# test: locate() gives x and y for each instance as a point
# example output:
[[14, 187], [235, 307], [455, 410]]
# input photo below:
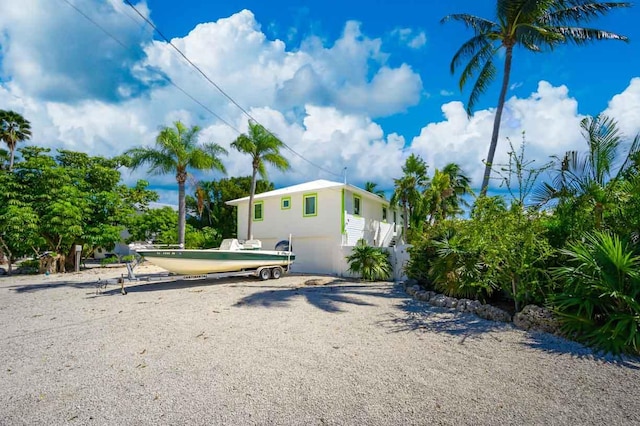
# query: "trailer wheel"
[[276, 273], [264, 274]]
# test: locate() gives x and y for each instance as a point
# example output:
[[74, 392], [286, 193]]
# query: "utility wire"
[[167, 78], [244, 111]]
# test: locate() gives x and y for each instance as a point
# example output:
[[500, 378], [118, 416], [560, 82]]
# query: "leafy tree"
[[372, 187], [14, 128], [408, 192], [72, 198], [176, 151], [599, 302], [263, 148], [444, 196], [371, 263], [534, 25]]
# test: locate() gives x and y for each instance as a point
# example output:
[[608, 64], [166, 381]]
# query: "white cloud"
[[410, 37], [625, 108], [446, 93], [549, 117]]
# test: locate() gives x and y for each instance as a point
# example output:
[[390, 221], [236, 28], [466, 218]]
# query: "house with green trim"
[[325, 220]]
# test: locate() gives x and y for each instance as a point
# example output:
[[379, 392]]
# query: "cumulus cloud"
[[549, 118], [625, 108], [411, 38]]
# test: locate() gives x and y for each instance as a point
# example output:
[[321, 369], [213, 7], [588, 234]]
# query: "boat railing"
[[145, 246]]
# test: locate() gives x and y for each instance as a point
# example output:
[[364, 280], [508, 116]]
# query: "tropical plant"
[[264, 148], [600, 299], [177, 151], [371, 263], [580, 180], [408, 192], [372, 187], [14, 128], [534, 25]]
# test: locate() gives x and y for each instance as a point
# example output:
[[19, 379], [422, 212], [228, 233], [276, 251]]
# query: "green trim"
[[261, 204], [213, 254], [343, 230], [304, 204], [282, 200], [359, 212]]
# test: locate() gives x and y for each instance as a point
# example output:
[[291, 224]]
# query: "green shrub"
[[128, 258], [371, 263], [109, 260], [598, 304]]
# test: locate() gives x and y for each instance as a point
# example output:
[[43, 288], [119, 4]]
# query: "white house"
[[325, 220]]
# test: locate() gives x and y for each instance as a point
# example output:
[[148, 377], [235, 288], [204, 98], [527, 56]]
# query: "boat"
[[231, 256]]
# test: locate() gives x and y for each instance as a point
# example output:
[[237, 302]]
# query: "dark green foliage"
[[215, 213], [599, 302], [54, 202], [371, 263]]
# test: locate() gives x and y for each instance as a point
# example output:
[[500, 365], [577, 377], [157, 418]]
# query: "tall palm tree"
[[372, 187], [14, 128], [263, 148], [177, 150], [408, 190], [536, 25]]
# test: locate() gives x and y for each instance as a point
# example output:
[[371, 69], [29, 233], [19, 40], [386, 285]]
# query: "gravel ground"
[[301, 350]]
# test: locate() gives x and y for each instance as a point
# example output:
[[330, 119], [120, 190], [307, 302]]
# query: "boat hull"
[[199, 262]]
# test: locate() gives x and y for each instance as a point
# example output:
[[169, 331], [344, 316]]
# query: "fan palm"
[[14, 128], [371, 263], [177, 150], [263, 148], [536, 25]]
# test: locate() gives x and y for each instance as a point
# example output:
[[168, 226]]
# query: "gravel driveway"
[[300, 350]]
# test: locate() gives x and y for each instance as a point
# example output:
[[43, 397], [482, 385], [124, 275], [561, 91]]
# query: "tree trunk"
[[251, 195], [182, 213], [11, 159], [405, 224], [496, 121]]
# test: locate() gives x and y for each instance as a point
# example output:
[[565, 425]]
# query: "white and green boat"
[[231, 256]]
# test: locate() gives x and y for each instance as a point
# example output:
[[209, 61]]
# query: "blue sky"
[[352, 84]]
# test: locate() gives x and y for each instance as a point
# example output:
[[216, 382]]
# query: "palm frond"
[[570, 12], [485, 78], [579, 35]]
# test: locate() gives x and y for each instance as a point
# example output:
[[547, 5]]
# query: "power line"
[[244, 111]]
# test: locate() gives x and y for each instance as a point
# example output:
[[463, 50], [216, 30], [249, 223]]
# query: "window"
[[395, 218], [310, 203], [384, 214], [285, 203], [258, 211], [356, 205]]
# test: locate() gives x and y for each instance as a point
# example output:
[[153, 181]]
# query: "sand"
[[299, 350]]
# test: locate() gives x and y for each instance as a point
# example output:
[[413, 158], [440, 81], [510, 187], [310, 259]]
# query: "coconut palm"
[[14, 128], [177, 150], [536, 25], [372, 188], [461, 186], [408, 190], [263, 148]]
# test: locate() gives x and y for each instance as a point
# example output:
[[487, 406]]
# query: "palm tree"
[[583, 177], [408, 190], [461, 186], [372, 188], [176, 151], [536, 25], [264, 148], [14, 128]]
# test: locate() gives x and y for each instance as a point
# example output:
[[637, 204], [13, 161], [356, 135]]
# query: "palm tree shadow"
[[331, 297], [557, 345], [420, 316]]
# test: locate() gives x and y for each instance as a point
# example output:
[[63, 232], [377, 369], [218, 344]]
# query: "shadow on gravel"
[[556, 345], [30, 288], [158, 284], [328, 296], [420, 316]]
